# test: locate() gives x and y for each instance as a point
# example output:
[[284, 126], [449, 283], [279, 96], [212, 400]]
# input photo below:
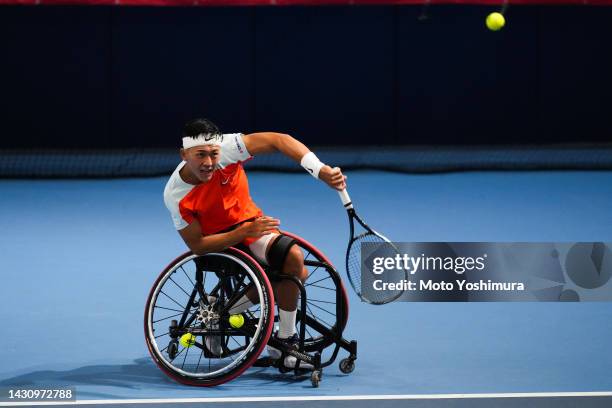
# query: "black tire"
[[347, 365], [226, 275], [315, 378]]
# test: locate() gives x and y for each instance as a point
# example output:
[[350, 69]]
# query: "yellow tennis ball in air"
[[495, 21], [236, 321], [187, 340]]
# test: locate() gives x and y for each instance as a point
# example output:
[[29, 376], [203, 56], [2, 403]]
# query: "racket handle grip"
[[346, 200]]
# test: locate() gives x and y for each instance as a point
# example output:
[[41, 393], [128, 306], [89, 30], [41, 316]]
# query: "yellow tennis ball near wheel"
[[495, 21], [187, 340], [236, 321]]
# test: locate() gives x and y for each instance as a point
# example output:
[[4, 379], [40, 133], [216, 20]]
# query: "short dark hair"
[[195, 127]]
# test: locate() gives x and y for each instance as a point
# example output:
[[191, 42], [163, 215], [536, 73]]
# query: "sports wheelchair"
[[195, 293]]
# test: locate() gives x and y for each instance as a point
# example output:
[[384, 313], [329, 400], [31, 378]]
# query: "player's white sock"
[[241, 305], [287, 323], [285, 330]]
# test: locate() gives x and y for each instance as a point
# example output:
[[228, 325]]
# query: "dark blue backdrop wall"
[[109, 77]]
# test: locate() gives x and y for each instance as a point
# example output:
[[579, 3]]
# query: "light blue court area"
[[78, 258]]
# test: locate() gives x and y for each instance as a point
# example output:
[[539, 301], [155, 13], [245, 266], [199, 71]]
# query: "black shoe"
[[290, 361]]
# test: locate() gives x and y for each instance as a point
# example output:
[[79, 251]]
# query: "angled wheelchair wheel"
[[327, 302], [186, 320]]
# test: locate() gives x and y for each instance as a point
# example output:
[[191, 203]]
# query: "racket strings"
[[363, 283], [354, 258]]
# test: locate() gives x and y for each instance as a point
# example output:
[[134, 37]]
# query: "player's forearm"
[[218, 242], [291, 147], [268, 142], [300, 153]]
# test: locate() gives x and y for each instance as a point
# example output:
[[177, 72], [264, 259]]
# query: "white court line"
[[314, 398]]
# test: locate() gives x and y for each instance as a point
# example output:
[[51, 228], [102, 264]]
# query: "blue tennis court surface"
[[79, 257]]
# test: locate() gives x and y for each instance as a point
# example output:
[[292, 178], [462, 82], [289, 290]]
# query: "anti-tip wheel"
[[347, 365], [315, 378], [172, 349]]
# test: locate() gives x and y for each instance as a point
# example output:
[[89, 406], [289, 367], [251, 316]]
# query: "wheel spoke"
[[169, 317], [181, 267], [161, 335], [179, 353], [180, 287], [320, 301], [161, 291], [321, 287], [312, 272], [252, 312], [185, 357], [318, 318], [240, 346], [199, 359], [167, 308], [320, 280]]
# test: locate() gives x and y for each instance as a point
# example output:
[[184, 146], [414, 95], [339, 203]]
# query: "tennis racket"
[[353, 259]]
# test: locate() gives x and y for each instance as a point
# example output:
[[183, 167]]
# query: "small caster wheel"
[[347, 365], [172, 329], [315, 378], [172, 349]]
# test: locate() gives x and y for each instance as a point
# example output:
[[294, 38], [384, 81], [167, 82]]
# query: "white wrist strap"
[[312, 164]]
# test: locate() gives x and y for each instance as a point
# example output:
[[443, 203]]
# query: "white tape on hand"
[[346, 200]]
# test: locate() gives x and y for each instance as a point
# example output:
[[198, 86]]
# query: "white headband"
[[203, 139]]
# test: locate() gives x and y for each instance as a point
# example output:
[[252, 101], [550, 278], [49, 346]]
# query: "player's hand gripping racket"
[[353, 260]]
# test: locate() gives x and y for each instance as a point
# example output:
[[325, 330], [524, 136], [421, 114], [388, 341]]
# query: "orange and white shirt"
[[222, 202]]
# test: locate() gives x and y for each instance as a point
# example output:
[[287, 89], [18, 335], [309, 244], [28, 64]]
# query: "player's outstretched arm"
[[202, 244], [268, 142]]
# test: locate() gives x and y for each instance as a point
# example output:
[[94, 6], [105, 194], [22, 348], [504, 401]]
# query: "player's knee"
[[294, 263], [303, 274], [295, 258]]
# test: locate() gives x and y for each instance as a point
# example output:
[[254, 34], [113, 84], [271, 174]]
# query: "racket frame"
[[352, 214]]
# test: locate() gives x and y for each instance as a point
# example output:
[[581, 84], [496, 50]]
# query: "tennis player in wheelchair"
[[211, 207]]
